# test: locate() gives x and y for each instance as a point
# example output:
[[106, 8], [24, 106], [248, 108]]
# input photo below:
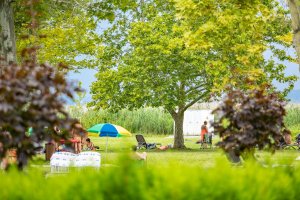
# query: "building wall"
[[193, 120]]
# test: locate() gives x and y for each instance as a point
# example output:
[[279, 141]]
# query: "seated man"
[[89, 145], [287, 137], [298, 139]]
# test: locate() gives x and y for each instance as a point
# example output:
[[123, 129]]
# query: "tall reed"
[[152, 120], [292, 119], [144, 120]]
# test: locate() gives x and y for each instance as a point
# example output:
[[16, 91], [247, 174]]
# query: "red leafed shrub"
[[31, 95], [249, 119]]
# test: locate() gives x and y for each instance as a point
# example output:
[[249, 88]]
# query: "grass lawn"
[[193, 156]]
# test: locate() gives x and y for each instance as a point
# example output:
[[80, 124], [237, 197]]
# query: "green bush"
[[131, 180], [144, 120]]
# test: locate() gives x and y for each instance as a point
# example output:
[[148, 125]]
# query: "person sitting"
[[287, 137], [89, 145], [77, 133], [298, 139]]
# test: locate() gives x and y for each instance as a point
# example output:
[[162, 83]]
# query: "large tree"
[[67, 30], [70, 32], [156, 70], [294, 6], [154, 58], [7, 32]]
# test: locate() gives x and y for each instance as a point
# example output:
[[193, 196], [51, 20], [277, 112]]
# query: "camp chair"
[[284, 145], [206, 142], [142, 143], [289, 146]]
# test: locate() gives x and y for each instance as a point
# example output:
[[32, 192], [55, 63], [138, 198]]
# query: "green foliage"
[[144, 120], [147, 63], [68, 32], [176, 53], [235, 35], [130, 180], [32, 97]]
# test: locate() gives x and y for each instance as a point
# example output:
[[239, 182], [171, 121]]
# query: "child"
[[89, 145]]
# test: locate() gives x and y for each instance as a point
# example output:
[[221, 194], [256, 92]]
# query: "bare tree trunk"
[[178, 136], [294, 6], [7, 32]]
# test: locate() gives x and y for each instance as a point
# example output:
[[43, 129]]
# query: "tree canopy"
[[149, 65], [174, 55], [67, 30], [239, 33], [294, 6]]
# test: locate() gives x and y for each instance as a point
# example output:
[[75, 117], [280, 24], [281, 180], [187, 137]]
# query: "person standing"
[[204, 131], [76, 134]]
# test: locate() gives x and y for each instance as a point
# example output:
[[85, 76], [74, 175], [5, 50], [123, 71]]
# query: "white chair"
[[61, 161], [88, 159]]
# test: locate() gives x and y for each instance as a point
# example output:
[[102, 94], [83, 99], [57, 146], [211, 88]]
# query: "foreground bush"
[[250, 119], [134, 181]]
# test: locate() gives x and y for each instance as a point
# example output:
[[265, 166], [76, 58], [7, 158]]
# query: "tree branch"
[[172, 113], [195, 100], [195, 88]]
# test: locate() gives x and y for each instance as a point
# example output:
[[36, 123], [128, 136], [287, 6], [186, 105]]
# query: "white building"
[[194, 119]]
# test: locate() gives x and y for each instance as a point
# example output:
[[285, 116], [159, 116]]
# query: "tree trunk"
[[7, 32], [178, 136], [294, 6]]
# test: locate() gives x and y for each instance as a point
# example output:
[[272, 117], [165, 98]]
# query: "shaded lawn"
[[193, 156]]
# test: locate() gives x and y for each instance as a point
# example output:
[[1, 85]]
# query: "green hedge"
[[133, 180]]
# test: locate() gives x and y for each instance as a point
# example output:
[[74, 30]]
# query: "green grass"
[[193, 156], [123, 143], [171, 174], [166, 175]]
